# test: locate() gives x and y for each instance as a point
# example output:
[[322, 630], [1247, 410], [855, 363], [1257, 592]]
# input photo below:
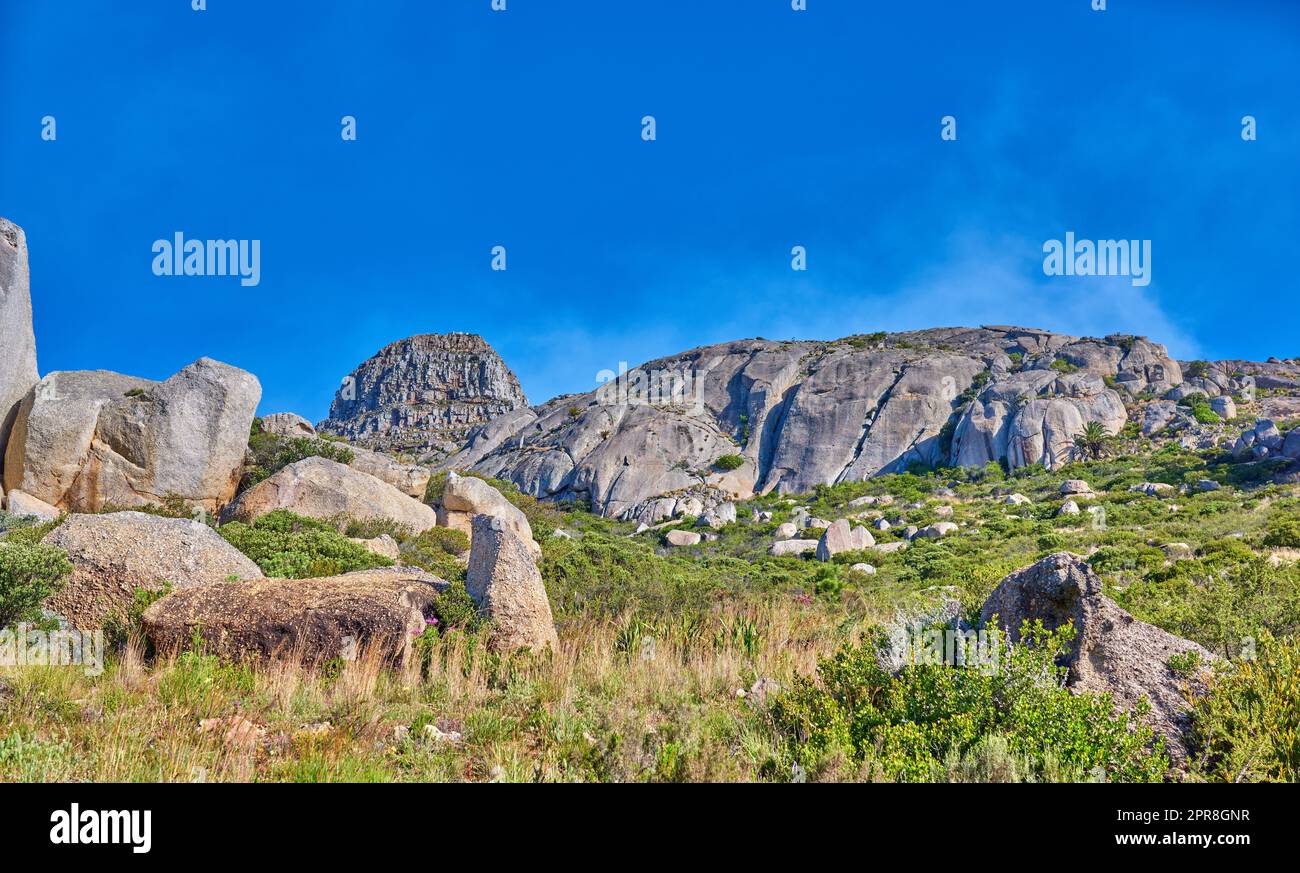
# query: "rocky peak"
[[423, 394]]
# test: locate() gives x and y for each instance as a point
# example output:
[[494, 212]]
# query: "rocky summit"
[[422, 395]]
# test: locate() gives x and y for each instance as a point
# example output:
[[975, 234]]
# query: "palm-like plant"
[[1093, 442]]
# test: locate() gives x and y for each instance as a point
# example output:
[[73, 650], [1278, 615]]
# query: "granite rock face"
[[17, 341], [801, 414], [85, 439], [422, 395]]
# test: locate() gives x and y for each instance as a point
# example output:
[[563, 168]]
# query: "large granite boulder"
[[504, 581], [465, 497], [17, 341], [324, 489], [410, 479], [842, 537], [368, 613], [287, 424], [115, 553], [1112, 652], [83, 440]]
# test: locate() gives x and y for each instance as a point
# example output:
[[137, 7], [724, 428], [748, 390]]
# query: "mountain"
[[423, 394], [728, 421]]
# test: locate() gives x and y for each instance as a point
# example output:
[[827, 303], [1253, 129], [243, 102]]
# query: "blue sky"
[[775, 128]]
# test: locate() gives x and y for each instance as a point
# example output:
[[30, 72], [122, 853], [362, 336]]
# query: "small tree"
[[1094, 441], [28, 575]]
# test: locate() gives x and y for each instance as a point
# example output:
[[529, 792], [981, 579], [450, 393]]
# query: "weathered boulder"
[[841, 537], [17, 341], [1016, 500], [791, 547], [682, 538], [1069, 507], [381, 545], [86, 439], [465, 497], [719, 516], [1264, 440], [1154, 489], [504, 581], [937, 530], [1224, 407], [368, 613], [786, 530], [287, 424], [410, 479], [1158, 415], [19, 503], [865, 569], [115, 553], [1291, 445], [1112, 651], [1076, 487], [324, 489]]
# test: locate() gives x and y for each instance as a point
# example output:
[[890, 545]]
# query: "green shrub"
[[370, 528], [729, 462], [1283, 533], [1244, 729], [291, 546], [456, 609], [903, 727], [29, 573], [271, 453], [436, 550], [120, 628]]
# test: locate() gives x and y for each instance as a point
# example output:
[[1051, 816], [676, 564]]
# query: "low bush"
[[29, 573], [295, 547]]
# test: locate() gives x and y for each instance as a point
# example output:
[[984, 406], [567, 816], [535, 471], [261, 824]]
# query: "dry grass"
[[616, 703]]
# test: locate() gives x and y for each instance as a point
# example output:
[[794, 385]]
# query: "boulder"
[[1158, 415], [1069, 507], [1264, 440], [1204, 485], [1224, 407], [1112, 652], [465, 497], [719, 516], [682, 538], [504, 581], [381, 545], [792, 547], [19, 503], [17, 340], [840, 537], [865, 569], [1076, 486], [320, 488], [84, 440], [1017, 500], [786, 531], [881, 524], [1291, 445], [1154, 489], [375, 613], [890, 548], [287, 424], [115, 553], [937, 530], [943, 510], [1178, 551], [410, 479]]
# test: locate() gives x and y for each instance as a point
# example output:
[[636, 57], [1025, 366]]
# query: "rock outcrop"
[[842, 537], [324, 489], [800, 414], [368, 613], [422, 395], [466, 497], [411, 479], [86, 439], [115, 553], [287, 424], [504, 581], [17, 341], [1112, 652]]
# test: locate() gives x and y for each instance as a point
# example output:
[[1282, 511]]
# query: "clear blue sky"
[[775, 129]]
